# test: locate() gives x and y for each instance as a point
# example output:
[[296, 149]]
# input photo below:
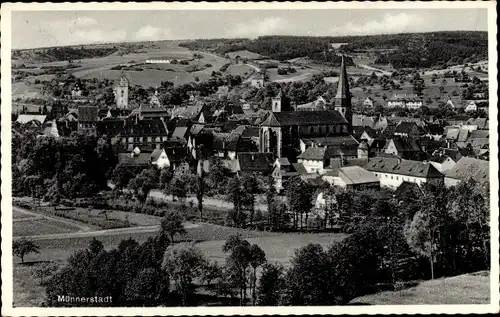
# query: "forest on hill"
[[64, 53], [406, 50]]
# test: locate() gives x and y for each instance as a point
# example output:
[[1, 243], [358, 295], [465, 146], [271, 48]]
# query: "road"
[[384, 72]]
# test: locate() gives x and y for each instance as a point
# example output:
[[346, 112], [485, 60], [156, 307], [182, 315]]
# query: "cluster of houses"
[[322, 145]]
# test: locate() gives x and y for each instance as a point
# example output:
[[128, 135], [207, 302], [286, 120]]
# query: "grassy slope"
[[462, 289]]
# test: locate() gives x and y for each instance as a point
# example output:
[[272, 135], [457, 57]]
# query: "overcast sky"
[[32, 29]]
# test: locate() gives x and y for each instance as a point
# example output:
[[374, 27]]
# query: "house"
[[405, 101], [87, 119], [318, 104], [407, 129], [406, 148], [477, 124], [471, 106], [148, 111], [257, 80], [133, 132], [467, 167], [135, 158], [255, 162], [368, 102], [392, 172], [176, 157], [443, 163], [352, 177], [159, 158], [225, 145], [50, 129], [347, 143], [25, 118], [360, 120], [193, 112], [434, 131]]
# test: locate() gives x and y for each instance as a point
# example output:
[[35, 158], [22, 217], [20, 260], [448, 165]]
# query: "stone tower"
[[343, 96], [280, 103], [121, 92]]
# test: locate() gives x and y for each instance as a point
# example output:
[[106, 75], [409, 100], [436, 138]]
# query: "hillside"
[[399, 50], [463, 289]]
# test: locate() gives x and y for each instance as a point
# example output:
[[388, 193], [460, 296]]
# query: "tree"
[[251, 186], [44, 271], [178, 187], [24, 246], [143, 183], [299, 195], [308, 277], [172, 224], [145, 288], [183, 263], [236, 194], [237, 263], [271, 285], [211, 272], [166, 176], [257, 258]]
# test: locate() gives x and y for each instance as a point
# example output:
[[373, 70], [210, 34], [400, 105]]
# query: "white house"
[[443, 163], [160, 159], [392, 172], [368, 102], [405, 101], [471, 106]]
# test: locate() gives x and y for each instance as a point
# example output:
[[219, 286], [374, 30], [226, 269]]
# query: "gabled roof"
[[363, 121], [25, 118], [255, 161], [479, 134], [125, 128], [88, 113], [406, 145], [180, 133], [402, 167], [356, 175], [299, 167], [406, 127], [482, 123], [470, 167], [338, 140], [155, 155], [299, 118], [463, 135], [176, 154], [196, 129], [313, 153], [225, 141], [283, 161], [189, 112], [141, 159], [337, 162]]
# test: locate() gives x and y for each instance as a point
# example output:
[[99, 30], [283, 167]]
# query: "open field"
[[244, 54], [463, 289], [279, 248], [30, 227]]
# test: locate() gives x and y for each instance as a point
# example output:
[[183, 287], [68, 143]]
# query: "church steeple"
[[343, 96]]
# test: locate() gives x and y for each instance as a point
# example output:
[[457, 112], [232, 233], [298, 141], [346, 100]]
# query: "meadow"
[[471, 288]]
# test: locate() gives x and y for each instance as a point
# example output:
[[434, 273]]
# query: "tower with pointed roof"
[[343, 96], [121, 91], [280, 102]]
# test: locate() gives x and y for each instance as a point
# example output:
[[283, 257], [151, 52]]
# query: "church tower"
[[280, 103], [121, 92], [343, 96]]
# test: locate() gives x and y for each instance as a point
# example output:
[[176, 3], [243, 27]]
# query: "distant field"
[[462, 289], [239, 69], [279, 248], [40, 226], [244, 54]]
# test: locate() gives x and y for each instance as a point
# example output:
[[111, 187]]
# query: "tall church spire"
[[343, 96]]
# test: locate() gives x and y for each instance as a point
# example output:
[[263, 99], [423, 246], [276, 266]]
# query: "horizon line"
[[239, 38]]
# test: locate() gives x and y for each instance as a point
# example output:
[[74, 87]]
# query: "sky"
[[31, 29]]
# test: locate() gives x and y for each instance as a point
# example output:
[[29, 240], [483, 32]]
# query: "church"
[[281, 132]]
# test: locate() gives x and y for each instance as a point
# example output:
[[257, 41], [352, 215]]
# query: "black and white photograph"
[[251, 158]]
